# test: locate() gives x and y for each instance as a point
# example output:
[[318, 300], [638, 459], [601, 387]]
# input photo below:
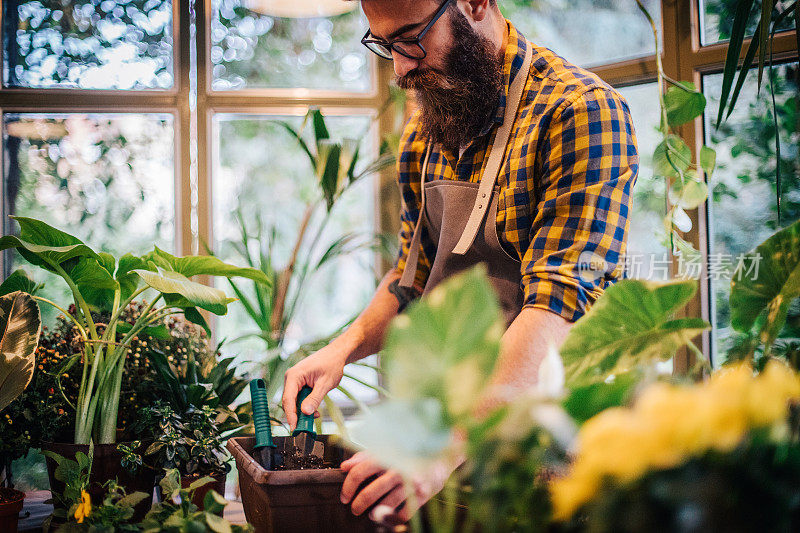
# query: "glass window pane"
[[586, 32], [648, 256], [717, 19], [742, 212], [107, 179], [251, 49], [261, 172], [88, 44]]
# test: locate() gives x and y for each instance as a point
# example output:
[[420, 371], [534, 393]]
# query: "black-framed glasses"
[[410, 47]]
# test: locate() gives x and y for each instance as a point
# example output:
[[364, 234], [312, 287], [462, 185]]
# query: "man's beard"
[[459, 103]]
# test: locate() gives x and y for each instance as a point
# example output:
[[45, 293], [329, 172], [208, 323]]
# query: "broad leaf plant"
[[100, 282]]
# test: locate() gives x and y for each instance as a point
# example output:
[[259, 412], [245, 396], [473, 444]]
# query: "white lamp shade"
[[302, 8]]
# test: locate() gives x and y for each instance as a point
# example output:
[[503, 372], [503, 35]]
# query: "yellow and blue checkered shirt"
[[565, 184]]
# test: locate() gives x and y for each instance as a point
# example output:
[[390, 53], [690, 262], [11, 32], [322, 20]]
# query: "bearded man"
[[516, 159]]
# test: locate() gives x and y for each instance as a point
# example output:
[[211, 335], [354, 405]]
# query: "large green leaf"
[[199, 265], [197, 294], [629, 325], [768, 279], [672, 157], [125, 275], [43, 245], [684, 104], [96, 284], [19, 281], [20, 325], [446, 345], [409, 436], [689, 193]]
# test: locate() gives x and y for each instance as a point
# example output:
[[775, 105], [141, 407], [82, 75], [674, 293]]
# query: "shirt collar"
[[514, 56]]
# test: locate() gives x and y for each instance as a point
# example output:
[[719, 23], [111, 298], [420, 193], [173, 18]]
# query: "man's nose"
[[402, 64]]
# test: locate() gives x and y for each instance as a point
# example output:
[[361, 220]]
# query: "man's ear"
[[476, 9]]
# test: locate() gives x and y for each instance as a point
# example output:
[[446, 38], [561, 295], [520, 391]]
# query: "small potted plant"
[[189, 443], [102, 285]]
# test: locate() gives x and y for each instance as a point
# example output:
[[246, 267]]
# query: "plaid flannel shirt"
[[564, 186]]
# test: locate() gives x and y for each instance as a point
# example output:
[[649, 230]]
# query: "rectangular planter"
[[286, 501]]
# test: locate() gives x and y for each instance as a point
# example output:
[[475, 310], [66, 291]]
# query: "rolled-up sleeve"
[[588, 163]]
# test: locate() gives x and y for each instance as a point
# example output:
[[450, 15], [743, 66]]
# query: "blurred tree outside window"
[[88, 44], [743, 208], [717, 19], [586, 32], [106, 178], [252, 50], [260, 171]]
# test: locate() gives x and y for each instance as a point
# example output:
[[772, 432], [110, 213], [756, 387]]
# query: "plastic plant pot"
[[286, 501], [200, 494], [10, 507]]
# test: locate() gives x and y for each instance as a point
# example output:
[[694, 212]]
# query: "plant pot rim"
[[14, 506]]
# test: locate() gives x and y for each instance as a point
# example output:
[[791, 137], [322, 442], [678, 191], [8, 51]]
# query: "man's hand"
[[322, 371], [386, 494]]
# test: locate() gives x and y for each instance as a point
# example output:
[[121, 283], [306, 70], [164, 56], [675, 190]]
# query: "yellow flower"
[[84, 508], [670, 424]]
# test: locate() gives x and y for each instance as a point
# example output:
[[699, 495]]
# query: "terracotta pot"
[[10, 509], [300, 501], [199, 495], [106, 465]]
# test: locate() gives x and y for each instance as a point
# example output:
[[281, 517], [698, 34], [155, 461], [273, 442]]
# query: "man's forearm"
[[365, 336], [522, 349]]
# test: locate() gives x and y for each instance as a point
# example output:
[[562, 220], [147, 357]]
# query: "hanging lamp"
[[301, 8]]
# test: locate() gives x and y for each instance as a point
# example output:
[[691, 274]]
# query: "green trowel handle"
[[258, 398], [305, 423]]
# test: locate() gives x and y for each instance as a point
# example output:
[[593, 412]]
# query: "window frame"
[[193, 103]]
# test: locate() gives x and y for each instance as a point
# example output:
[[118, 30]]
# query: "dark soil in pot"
[[199, 495], [11, 501], [106, 465], [286, 501]]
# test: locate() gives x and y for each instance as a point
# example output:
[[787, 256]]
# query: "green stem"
[[118, 310], [65, 313]]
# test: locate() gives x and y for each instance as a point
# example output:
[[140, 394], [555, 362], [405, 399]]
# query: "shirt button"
[[484, 195]]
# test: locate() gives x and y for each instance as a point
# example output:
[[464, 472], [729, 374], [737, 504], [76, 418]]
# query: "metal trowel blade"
[[308, 445]]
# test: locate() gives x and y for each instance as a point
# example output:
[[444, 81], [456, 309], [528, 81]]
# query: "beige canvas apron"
[[461, 218]]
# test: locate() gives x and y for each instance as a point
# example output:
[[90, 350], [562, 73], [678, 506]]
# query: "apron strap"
[[410, 271], [496, 158]]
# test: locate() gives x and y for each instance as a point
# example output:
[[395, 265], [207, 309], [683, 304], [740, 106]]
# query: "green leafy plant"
[[74, 508], [337, 167], [99, 281], [438, 365], [632, 321], [176, 513], [761, 297], [680, 103], [209, 383], [20, 326], [189, 441]]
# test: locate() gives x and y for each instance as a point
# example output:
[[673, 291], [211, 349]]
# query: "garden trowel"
[[264, 450], [304, 438]]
